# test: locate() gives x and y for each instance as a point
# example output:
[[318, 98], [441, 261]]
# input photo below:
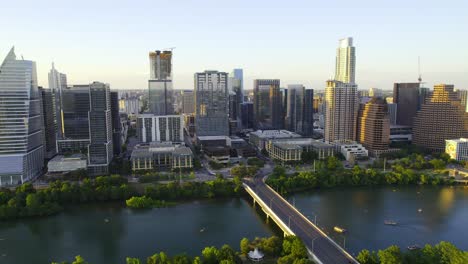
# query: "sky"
[[294, 41]]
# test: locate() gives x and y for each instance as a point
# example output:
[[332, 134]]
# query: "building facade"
[[160, 156], [48, 114], [116, 123], [160, 90], [188, 102], [406, 97], [457, 149], [442, 117], [57, 83], [21, 124], [341, 109], [374, 126], [345, 61], [268, 104], [247, 115], [212, 104], [151, 128]]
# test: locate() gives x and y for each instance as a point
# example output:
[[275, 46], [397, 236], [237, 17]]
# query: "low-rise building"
[[259, 138], [353, 150], [63, 164], [457, 149], [220, 154], [161, 155], [291, 149]]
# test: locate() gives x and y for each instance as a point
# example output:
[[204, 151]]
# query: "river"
[[107, 233]]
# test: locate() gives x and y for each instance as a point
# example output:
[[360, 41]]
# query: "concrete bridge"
[[292, 222]]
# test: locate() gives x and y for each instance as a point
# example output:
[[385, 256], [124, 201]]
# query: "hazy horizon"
[[293, 41]]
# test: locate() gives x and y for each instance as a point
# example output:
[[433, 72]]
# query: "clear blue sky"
[[294, 41]]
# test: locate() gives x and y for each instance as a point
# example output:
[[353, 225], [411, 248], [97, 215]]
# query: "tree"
[[438, 164], [132, 261], [391, 255], [210, 255], [244, 245], [79, 260], [367, 257]]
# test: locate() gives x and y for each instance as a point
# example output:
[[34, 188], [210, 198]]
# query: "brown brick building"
[[374, 126]]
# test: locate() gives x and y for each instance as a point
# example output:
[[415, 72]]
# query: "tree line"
[[286, 250]]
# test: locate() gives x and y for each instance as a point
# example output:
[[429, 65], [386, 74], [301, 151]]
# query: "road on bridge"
[[320, 245]]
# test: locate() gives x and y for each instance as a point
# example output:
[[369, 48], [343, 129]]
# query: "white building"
[[341, 110], [152, 128], [457, 149], [21, 124], [345, 61], [353, 150]]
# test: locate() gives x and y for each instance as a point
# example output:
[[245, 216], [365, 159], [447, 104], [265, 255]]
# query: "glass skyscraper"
[[211, 104], [21, 124], [345, 70]]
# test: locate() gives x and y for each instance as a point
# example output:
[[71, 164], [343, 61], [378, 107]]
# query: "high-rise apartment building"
[[406, 96], [21, 124], [345, 61], [48, 114], [268, 104], [160, 91], [211, 104], [442, 117], [188, 102], [299, 109], [151, 128], [237, 87], [341, 108], [374, 126], [87, 125]]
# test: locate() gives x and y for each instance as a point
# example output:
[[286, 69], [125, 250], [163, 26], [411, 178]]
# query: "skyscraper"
[[268, 109], [247, 115], [57, 83], [442, 117], [116, 125], [152, 128], [341, 108], [295, 107], [188, 102], [308, 113], [237, 85], [87, 125], [160, 97], [48, 113], [345, 61], [211, 104], [21, 124], [374, 126], [406, 96]]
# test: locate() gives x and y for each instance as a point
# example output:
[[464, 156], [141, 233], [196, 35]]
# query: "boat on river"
[[414, 247], [390, 222], [339, 229]]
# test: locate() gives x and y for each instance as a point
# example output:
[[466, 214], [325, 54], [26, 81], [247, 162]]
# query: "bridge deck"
[[317, 242]]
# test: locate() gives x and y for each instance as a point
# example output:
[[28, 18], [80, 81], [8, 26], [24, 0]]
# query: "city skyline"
[[388, 48]]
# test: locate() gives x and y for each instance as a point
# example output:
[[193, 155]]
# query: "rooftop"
[[275, 134]]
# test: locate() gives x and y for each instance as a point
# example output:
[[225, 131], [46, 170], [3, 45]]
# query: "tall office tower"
[[237, 85], [374, 126], [116, 125], [87, 125], [463, 96], [160, 95], [188, 102], [247, 115], [233, 106], [268, 104], [295, 108], [48, 113], [345, 61], [21, 131], [442, 117], [406, 96], [212, 104], [100, 149], [392, 113], [308, 119], [57, 83], [375, 92], [284, 105], [152, 128], [341, 108]]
